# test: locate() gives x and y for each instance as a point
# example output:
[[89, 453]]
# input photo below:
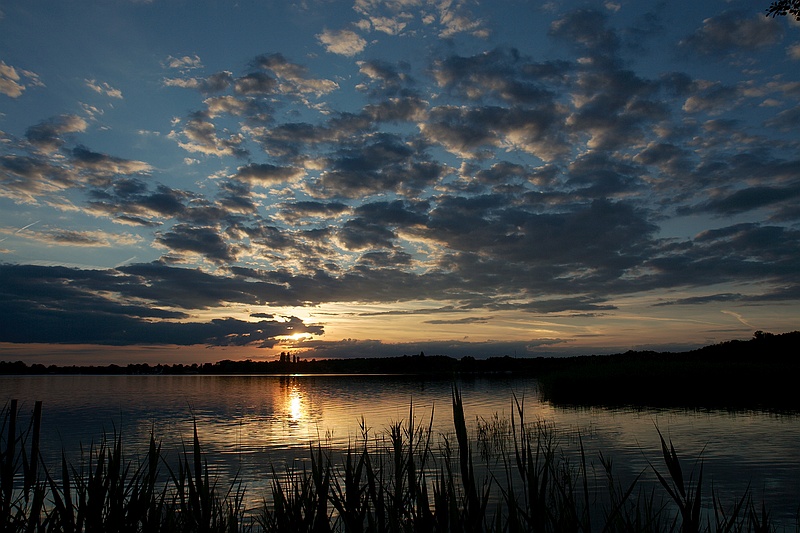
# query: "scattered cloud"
[[48, 135], [63, 237], [734, 31], [13, 82], [343, 42], [265, 174], [184, 62], [214, 83], [295, 77], [104, 89]]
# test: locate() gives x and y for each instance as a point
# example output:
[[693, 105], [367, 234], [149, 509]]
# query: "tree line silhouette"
[[759, 373]]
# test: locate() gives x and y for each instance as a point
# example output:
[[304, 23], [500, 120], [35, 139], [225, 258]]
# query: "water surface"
[[250, 424]]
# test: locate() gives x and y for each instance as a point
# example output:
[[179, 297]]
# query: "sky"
[[216, 179]]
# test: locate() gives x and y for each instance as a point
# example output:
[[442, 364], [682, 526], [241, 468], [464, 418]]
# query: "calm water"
[[250, 423]]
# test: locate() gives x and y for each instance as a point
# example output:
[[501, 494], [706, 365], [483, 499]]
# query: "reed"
[[506, 476], [107, 492], [20, 507]]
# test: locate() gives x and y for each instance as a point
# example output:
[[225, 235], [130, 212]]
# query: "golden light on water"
[[295, 406]]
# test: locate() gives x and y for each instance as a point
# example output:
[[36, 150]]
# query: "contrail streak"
[[23, 228], [125, 262], [739, 317]]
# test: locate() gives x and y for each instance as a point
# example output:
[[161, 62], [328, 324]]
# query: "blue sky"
[[193, 181]]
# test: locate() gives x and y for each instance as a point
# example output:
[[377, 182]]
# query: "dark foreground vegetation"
[[511, 475], [760, 373]]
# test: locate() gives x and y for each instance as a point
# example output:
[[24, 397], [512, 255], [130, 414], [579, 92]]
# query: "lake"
[[249, 424]]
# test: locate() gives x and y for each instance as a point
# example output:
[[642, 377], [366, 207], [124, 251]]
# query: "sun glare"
[[295, 337]]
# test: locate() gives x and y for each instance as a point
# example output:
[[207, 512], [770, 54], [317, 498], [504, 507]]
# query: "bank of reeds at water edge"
[[509, 476]]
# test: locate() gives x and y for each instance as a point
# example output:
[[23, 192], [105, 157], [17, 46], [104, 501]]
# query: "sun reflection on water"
[[295, 406]]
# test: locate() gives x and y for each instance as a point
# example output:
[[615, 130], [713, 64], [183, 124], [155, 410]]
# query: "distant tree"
[[762, 336], [781, 8]]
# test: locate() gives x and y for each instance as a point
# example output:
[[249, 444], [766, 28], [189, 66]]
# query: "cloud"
[[214, 83], [711, 97], [184, 62], [751, 198], [398, 213], [733, 31], [256, 83], [388, 25], [387, 80], [200, 136], [255, 111], [236, 198], [474, 132], [11, 80], [190, 288], [306, 211], [793, 52], [76, 314], [385, 259], [702, 300], [26, 178], [90, 239], [394, 110], [572, 303], [294, 141], [82, 157], [103, 88], [343, 42], [41, 169], [586, 30], [384, 164], [502, 74], [294, 78], [786, 120], [203, 241], [265, 174], [51, 168], [400, 17], [468, 320], [359, 234], [598, 175], [455, 18], [351, 348], [130, 200], [744, 251], [48, 135]]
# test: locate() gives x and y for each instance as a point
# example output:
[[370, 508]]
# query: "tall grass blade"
[[7, 467]]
